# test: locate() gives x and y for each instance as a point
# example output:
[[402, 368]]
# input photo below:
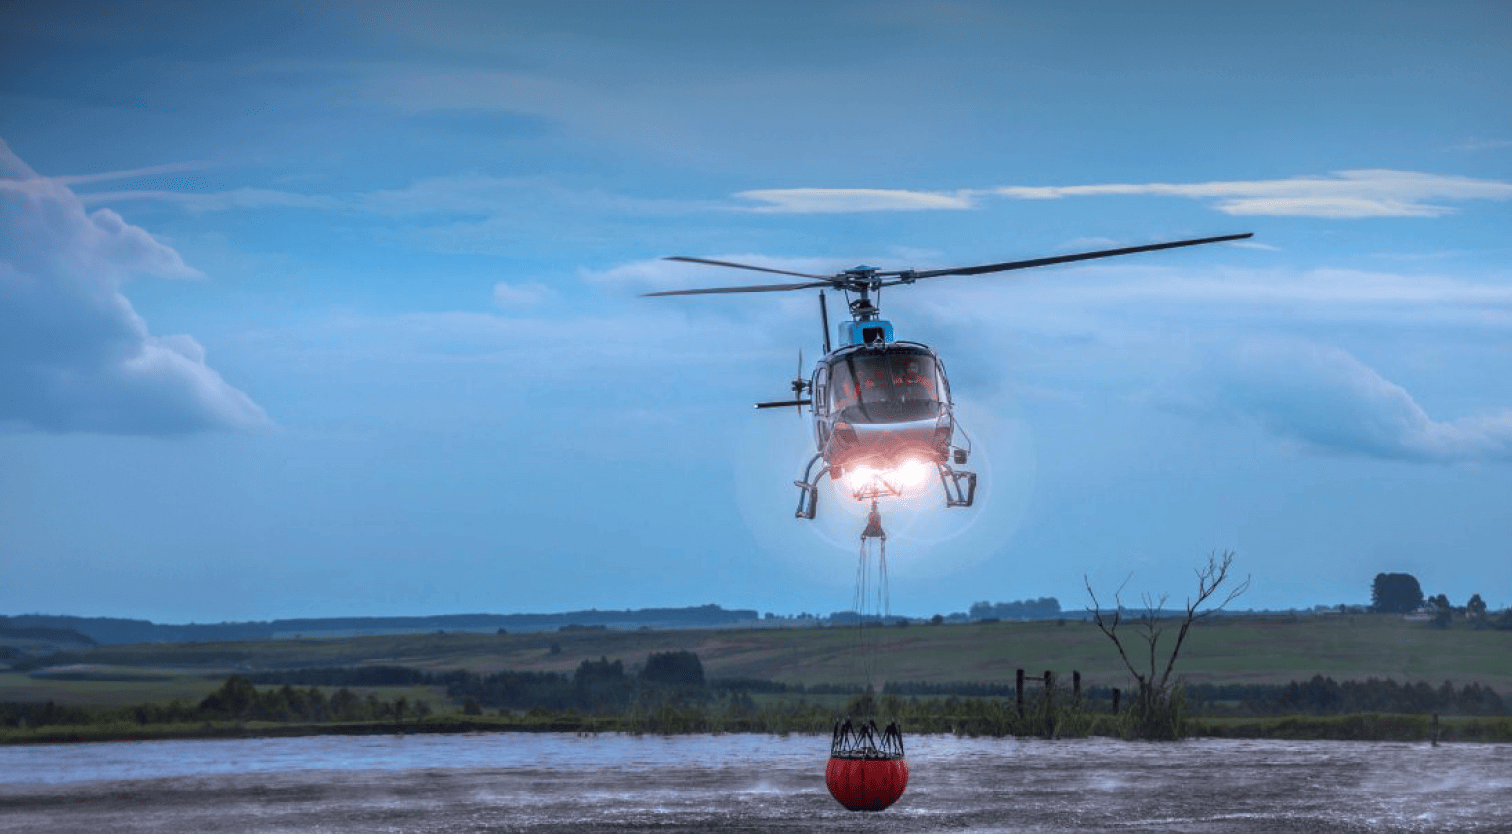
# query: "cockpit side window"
[[842, 386]]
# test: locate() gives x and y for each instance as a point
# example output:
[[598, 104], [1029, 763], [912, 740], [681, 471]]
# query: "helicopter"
[[883, 417]]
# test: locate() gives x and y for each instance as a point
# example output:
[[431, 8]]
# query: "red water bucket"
[[866, 784]]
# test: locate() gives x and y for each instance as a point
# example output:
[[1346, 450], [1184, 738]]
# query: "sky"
[[333, 308]]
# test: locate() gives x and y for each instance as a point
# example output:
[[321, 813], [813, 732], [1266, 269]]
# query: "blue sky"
[[332, 308]]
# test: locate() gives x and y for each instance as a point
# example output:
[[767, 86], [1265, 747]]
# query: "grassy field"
[[1271, 649], [110, 689]]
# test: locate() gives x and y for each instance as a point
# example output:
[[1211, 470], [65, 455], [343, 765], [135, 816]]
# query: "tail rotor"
[[800, 387]]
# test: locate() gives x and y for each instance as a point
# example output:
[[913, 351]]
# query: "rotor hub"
[[863, 309]]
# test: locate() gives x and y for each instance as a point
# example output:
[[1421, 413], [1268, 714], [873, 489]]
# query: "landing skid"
[[808, 489], [960, 486]]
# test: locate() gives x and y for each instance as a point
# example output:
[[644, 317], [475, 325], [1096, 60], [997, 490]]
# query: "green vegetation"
[[239, 708], [600, 697], [1359, 727], [605, 700], [1395, 593], [1257, 649], [1325, 696], [1244, 675]]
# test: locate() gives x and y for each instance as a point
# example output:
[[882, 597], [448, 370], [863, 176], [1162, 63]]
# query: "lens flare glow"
[[860, 476], [910, 473]]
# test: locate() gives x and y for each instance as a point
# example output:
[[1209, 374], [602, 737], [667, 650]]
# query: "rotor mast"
[[862, 281]]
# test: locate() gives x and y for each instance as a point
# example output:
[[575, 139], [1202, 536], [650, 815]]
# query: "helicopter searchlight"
[[883, 417]]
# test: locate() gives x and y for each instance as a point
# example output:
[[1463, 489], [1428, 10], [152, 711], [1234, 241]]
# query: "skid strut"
[[808, 489], [960, 486]]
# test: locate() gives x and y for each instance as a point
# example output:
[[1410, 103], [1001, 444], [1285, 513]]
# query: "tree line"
[[107, 630], [1325, 696], [1043, 608], [1401, 593], [605, 687], [238, 699], [600, 686]]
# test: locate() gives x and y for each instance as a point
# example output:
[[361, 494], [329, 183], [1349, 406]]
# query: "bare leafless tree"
[[1155, 708]]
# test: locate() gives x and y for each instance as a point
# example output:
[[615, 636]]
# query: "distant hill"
[[42, 633], [112, 630]]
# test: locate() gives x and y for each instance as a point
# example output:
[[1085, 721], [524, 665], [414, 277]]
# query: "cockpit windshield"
[[891, 387]]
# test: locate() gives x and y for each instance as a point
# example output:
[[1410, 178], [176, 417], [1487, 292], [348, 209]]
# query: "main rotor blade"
[[1061, 259], [762, 288], [686, 259]]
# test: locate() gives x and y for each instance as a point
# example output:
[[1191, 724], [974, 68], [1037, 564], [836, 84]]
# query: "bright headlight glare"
[[909, 473], [912, 472], [861, 476]]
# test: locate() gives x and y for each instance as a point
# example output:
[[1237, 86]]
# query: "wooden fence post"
[[1049, 704]]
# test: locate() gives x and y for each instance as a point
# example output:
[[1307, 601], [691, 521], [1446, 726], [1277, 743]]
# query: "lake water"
[[520, 782]]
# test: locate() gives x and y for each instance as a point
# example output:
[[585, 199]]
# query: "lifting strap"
[[872, 596]]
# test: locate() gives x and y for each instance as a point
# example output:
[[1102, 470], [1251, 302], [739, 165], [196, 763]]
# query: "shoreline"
[[1385, 727]]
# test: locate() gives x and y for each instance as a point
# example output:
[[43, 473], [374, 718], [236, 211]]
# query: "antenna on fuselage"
[[824, 318]]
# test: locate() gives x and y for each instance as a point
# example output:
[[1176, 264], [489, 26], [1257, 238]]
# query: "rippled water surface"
[[539, 783]]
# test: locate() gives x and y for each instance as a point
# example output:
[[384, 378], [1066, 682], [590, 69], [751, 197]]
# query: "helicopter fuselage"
[[883, 419], [881, 405]]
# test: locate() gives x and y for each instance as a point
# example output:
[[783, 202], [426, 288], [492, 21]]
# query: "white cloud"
[[1362, 193], [76, 356], [1342, 194], [1482, 145], [462, 195], [1326, 400], [519, 295], [840, 200], [235, 198], [135, 173]]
